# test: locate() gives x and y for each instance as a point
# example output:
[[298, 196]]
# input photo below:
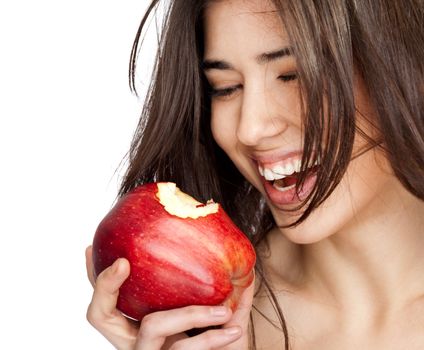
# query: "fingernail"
[[218, 311], [232, 330]]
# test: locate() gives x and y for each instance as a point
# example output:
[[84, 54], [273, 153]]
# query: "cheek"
[[224, 131], [224, 128], [360, 194]]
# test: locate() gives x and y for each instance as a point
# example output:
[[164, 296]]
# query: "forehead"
[[234, 24]]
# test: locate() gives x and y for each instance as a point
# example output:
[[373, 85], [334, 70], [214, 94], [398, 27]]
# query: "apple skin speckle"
[[174, 261]]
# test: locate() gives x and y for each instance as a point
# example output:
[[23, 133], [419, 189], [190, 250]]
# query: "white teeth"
[[261, 170], [279, 172], [297, 165], [289, 169], [269, 175], [283, 189], [279, 176], [278, 169]]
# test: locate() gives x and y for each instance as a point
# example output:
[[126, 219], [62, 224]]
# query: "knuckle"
[[148, 325], [194, 311], [93, 317]]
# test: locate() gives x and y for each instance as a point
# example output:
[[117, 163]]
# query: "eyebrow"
[[261, 59]]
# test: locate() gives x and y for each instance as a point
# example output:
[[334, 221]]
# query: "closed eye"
[[224, 92], [288, 77]]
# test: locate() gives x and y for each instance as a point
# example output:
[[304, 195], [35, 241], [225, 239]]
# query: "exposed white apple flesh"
[[181, 252], [181, 204]]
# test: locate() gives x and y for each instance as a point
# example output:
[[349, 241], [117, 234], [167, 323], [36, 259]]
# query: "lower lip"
[[289, 196]]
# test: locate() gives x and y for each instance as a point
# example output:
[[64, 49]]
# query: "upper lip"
[[275, 156]]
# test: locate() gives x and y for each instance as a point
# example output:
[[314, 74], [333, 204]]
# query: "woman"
[[306, 121]]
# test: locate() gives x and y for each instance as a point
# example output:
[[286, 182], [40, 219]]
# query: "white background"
[[66, 121]]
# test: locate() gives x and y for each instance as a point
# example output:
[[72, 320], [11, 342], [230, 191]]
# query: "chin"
[[340, 213], [308, 232], [301, 235]]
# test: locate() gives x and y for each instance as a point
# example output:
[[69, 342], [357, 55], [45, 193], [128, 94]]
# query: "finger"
[[156, 327], [107, 286], [213, 339], [242, 313], [102, 312], [89, 264]]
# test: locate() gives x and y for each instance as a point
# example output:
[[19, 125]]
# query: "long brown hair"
[[381, 40]]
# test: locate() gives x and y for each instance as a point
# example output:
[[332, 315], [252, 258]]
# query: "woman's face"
[[256, 120]]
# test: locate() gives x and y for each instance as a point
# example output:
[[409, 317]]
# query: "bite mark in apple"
[[181, 252]]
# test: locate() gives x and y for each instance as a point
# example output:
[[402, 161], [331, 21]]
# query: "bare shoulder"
[[316, 323]]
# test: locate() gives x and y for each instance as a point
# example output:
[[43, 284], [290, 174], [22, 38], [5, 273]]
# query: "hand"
[[164, 329]]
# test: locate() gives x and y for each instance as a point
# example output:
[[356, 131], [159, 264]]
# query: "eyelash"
[[230, 90]]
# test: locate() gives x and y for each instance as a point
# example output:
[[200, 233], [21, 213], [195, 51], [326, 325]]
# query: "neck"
[[376, 262], [373, 266]]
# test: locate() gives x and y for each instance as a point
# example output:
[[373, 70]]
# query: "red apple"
[[181, 252]]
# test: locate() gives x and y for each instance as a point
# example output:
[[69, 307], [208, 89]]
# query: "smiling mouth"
[[284, 175], [288, 182]]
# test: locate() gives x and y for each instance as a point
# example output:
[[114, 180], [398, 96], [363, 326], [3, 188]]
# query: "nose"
[[261, 117]]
